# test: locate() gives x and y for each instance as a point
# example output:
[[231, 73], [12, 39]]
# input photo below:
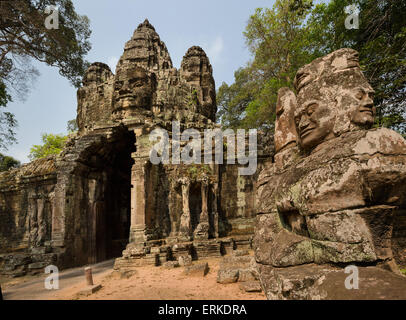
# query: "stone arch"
[[98, 211]]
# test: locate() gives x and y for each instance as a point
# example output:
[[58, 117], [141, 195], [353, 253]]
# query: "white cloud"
[[112, 63], [215, 49]]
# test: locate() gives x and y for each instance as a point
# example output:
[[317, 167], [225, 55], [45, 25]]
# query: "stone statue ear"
[[286, 101], [342, 121], [285, 128], [154, 81]]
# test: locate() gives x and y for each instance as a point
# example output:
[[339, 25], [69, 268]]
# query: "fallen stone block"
[[87, 291], [185, 260], [197, 270], [171, 264], [246, 275], [225, 276], [240, 252], [251, 286], [37, 265], [239, 260]]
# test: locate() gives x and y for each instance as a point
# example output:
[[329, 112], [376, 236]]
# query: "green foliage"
[[24, 37], [279, 43], [4, 97], [52, 145], [8, 123], [7, 162], [72, 126], [193, 100], [381, 42], [23, 34], [197, 171], [294, 32], [233, 100]]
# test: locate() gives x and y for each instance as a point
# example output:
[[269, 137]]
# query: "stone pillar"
[[202, 230], [138, 229], [33, 222], [42, 221], [140, 226], [215, 214], [58, 210], [185, 229]]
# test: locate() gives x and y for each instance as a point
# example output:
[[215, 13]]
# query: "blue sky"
[[215, 25]]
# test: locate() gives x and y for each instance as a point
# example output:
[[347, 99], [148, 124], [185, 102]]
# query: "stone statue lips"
[[125, 96], [306, 131], [367, 110]]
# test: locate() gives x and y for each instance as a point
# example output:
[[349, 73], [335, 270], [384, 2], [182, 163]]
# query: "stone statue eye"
[[136, 82], [119, 84], [359, 95], [311, 109], [297, 120]]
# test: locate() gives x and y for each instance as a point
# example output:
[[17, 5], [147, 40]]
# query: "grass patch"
[[403, 271]]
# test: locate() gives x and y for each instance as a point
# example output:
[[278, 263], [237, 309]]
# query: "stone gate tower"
[[102, 195]]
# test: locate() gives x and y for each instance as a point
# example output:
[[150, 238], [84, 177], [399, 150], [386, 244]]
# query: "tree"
[[7, 162], [8, 123], [381, 42], [72, 126], [233, 100], [280, 45], [295, 32], [52, 145], [24, 37], [23, 34]]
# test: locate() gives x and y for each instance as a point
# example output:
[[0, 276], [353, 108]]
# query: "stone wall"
[[399, 237], [26, 196], [26, 210]]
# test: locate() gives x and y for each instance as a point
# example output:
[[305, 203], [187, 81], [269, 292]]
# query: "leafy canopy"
[[52, 145], [24, 37], [294, 32], [8, 123], [381, 42], [279, 42], [7, 162]]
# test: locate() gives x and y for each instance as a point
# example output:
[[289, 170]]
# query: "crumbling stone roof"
[[27, 172]]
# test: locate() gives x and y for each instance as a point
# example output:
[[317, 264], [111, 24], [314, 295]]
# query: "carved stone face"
[[285, 130], [97, 73], [365, 111], [133, 88], [198, 73], [333, 88], [193, 72], [314, 121]]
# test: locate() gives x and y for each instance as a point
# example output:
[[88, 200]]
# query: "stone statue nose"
[[304, 122], [125, 88], [368, 102]]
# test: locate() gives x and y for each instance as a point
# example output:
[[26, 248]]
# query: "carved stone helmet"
[[333, 97]]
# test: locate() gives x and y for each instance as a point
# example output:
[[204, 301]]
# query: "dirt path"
[[33, 288], [149, 283]]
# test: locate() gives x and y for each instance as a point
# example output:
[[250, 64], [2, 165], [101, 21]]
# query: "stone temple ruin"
[[102, 198], [329, 190]]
